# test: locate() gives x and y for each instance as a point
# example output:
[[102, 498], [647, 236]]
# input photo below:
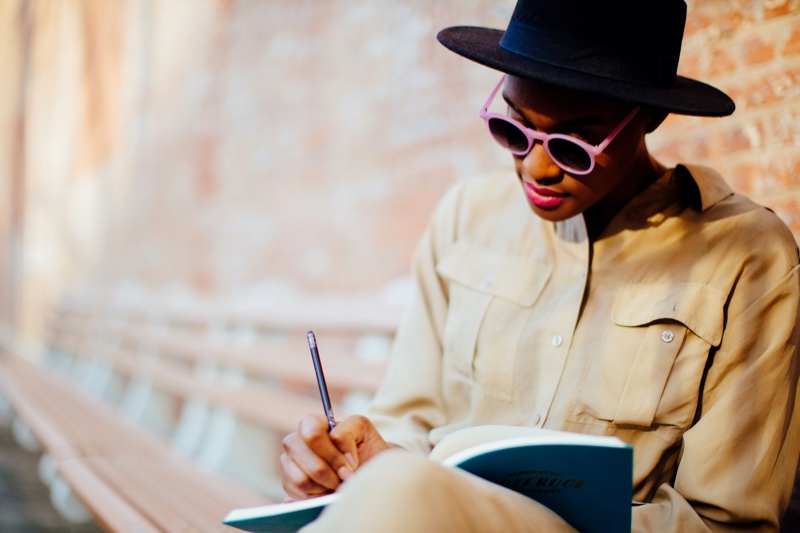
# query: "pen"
[[323, 388]]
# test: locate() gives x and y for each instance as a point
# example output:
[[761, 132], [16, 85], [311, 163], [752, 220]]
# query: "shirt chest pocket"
[[490, 299], [648, 372]]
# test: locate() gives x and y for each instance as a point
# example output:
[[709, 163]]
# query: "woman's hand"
[[315, 462]]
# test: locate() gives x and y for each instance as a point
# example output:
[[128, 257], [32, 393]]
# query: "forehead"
[[540, 98]]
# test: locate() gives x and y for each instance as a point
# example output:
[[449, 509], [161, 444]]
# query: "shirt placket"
[[552, 336]]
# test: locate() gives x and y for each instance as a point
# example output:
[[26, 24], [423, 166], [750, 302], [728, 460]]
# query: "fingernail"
[[351, 461], [344, 473]]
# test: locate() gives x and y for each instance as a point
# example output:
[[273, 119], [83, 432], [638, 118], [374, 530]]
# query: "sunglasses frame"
[[532, 135]]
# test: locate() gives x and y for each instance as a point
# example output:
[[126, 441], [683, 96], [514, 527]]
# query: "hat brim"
[[686, 97]]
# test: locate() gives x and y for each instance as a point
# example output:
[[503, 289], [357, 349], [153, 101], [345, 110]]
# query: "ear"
[[657, 116]]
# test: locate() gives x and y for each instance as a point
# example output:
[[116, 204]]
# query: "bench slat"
[[224, 383], [128, 478], [110, 510]]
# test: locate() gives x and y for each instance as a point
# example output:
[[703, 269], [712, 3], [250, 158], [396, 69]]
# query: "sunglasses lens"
[[569, 154], [508, 135]]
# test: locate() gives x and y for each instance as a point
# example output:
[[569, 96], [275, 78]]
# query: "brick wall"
[[750, 49], [303, 141], [223, 145]]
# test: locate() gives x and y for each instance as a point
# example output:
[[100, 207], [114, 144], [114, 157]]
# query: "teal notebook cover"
[[278, 518], [585, 479], [589, 486]]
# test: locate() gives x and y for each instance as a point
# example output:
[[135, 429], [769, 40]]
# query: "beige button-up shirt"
[[675, 331]]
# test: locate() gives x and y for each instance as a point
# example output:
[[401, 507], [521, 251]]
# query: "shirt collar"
[[695, 185], [711, 187]]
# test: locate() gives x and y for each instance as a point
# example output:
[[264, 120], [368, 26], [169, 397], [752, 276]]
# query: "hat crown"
[[626, 50], [633, 40]]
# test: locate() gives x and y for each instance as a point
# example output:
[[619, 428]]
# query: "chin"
[[551, 214]]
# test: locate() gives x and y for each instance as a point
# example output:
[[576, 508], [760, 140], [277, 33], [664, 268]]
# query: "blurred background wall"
[[234, 148]]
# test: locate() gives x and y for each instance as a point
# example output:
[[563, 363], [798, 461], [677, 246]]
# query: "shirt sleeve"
[[408, 404], [738, 460]]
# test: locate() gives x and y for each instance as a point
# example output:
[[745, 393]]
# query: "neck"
[[640, 176]]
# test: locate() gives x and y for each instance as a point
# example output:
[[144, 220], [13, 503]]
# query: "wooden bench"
[[137, 395], [122, 473]]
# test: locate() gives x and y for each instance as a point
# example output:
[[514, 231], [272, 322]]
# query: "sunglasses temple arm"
[[485, 107], [602, 146]]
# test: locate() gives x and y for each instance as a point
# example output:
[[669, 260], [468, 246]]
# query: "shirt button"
[[557, 340], [667, 336], [485, 284]]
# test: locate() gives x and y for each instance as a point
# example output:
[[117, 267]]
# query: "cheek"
[[621, 154], [606, 189], [589, 191], [517, 164]]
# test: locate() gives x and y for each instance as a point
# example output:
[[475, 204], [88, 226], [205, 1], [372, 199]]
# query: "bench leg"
[[66, 503], [191, 427], [58, 360], [47, 469], [146, 406], [102, 382], [242, 452], [24, 436]]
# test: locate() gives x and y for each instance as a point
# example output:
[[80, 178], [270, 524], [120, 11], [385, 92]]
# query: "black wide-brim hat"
[[627, 50]]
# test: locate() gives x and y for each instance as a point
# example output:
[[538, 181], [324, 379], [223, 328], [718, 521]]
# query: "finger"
[[346, 436], [312, 465], [313, 430], [358, 440], [296, 483]]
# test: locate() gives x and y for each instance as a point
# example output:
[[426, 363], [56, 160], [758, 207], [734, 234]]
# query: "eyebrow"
[[562, 126]]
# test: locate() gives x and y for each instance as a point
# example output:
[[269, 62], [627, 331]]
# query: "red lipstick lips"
[[543, 197]]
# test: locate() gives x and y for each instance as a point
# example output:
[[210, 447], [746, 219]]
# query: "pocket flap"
[[514, 278], [698, 307]]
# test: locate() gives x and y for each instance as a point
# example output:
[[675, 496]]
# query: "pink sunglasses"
[[569, 153]]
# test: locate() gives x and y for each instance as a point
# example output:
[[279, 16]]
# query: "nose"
[[538, 165]]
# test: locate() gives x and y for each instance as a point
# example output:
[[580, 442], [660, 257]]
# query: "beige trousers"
[[401, 492]]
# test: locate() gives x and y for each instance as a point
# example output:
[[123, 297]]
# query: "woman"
[[594, 291]]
